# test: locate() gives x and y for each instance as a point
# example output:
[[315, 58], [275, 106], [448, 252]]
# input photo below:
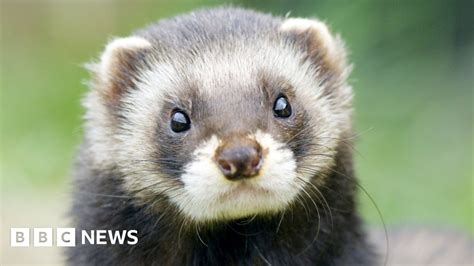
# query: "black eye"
[[180, 121], [282, 107]]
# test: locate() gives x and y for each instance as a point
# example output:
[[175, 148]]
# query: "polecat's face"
[[232, 132]]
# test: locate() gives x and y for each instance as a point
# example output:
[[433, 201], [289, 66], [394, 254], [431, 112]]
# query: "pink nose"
[[239, 158]]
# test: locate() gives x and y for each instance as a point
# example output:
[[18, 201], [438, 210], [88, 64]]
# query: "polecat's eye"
[[180, 121], [281, 107]]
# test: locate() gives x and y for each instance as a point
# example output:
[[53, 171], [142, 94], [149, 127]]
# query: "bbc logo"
[[42, 237]]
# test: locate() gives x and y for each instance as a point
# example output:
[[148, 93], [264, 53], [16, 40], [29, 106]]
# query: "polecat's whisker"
[[303, 204], [261, 256], [105, 195], [326, 206], [379, 212], [318, 226], [279, 222], [183, 222], [247, 221], [199, 236], [242, 234], [304, 130]]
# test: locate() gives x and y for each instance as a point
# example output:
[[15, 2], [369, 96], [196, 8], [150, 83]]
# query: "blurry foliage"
[[412, 77]]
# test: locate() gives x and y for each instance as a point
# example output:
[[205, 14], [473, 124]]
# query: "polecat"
[[223, 137]]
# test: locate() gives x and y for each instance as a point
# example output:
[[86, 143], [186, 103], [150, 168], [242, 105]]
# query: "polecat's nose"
[[239, 158]]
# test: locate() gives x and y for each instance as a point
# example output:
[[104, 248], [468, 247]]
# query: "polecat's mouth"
[[244, 191]]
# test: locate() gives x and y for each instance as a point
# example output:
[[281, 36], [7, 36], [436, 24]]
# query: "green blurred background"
[[413, 79]]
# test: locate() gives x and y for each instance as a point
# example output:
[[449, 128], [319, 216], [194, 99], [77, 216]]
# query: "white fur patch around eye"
[[207, 195], [141, 108]]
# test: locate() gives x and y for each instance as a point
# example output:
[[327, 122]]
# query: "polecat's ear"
[[321, 47], [118, 66]]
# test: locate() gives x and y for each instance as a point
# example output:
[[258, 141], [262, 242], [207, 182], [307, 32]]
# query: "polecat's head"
[[221, 128]]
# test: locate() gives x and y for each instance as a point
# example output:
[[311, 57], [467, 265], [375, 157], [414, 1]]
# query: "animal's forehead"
[[234, 77], [228, 96], [234, 71], [238, 71]]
